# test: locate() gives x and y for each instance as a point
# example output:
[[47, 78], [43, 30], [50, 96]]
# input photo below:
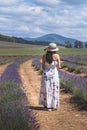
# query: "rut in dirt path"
[[67, 117]]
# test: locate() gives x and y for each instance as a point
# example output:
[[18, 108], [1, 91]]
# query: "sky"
[[34, 18]]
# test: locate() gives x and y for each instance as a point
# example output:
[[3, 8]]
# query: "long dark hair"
[[49, 57]]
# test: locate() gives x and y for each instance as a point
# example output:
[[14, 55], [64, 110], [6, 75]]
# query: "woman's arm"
[[57, 58], [43, 62], [59, 63]]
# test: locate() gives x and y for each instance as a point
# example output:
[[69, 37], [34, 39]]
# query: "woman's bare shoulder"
[[56, 55]]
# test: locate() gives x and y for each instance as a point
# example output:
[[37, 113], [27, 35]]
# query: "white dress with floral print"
[[49, 93]]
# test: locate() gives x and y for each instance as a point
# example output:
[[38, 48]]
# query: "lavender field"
[[14, 115]]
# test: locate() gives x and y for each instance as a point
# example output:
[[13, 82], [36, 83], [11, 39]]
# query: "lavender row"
[[74, 65], [11, 73], [4, 60], [82, 60], [77, 81], [37, 63], [13, 113]]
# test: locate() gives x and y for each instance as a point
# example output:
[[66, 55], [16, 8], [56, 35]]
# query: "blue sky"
[[34, 18]]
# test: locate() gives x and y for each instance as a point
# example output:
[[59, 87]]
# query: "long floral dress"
[[49, 92]]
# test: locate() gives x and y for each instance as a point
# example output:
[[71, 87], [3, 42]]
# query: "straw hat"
[[52, 47]]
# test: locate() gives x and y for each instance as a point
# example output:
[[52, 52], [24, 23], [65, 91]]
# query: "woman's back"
[[54, 63], [55, 60]]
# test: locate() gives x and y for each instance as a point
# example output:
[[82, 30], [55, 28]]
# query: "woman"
[[49, 93]]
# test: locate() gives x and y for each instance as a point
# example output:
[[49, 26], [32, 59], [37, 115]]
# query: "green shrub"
[[67, 85], [71, 68], [62, 83], [63, 65], [84, 97], [41, 71], [37, 68], [76, 92], [78, 70], [85, 74], [12, 115], [9, 97], [7, 85], [13, 118], [33, 65]]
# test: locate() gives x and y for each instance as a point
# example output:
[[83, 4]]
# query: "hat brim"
[[52, 50]]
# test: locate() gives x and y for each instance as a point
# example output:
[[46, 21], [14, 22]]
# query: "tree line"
[[76, 44]]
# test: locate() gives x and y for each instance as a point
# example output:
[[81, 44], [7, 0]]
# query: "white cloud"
[[23, 28], [22, 9], [9, 2], [28, 9], [3, 20], [37, 30]]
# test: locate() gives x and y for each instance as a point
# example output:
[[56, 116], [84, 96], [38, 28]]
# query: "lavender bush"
[[4, 60], [81, 60], [74, 67], [13, 114]]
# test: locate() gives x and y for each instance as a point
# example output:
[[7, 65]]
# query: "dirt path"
[[67, 117]]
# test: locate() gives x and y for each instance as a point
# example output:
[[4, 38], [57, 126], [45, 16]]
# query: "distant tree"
[[78, 44], [86, 45], [6, 38], [68, 44]]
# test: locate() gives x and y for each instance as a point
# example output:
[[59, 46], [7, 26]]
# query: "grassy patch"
[[22, 51], [72, 51], [16, 49]]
